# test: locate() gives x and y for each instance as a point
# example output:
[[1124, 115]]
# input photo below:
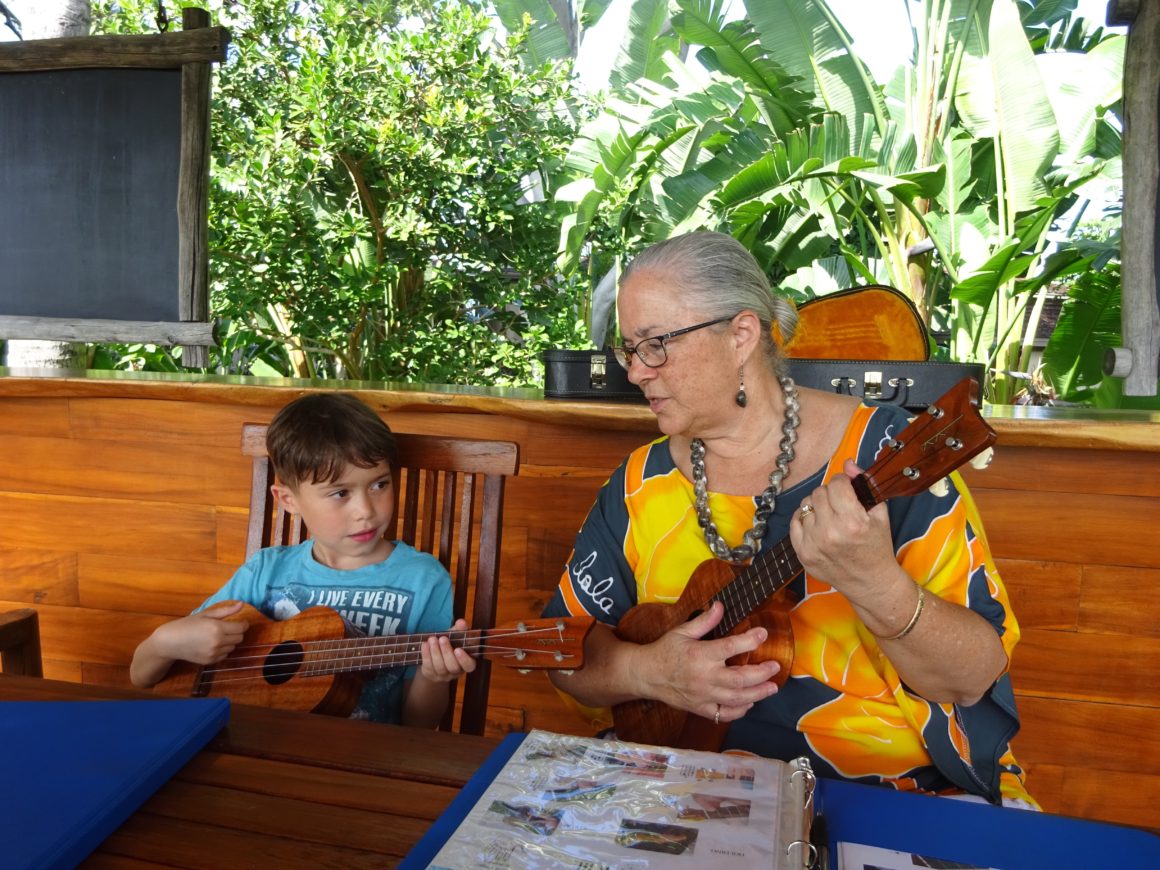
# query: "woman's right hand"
[[689, 673]]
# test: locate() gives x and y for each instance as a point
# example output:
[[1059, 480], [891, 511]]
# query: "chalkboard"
[[88, 193], [104, 179]]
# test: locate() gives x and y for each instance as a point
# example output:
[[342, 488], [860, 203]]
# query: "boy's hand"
[[442, 662], [202, 638]]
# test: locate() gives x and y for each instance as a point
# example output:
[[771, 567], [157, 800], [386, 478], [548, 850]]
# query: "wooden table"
[[283, 789]]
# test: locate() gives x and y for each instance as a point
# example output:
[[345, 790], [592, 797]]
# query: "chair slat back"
[[439, 510]]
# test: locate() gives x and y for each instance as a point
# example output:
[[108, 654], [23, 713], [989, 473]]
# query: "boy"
[[333, 458]]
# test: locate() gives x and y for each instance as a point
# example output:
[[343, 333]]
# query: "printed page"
[[857, 856], [566, 801]]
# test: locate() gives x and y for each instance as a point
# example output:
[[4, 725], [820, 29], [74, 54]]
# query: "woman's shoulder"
[[832, 409], [826, 419], [647, 460], [844, 426]]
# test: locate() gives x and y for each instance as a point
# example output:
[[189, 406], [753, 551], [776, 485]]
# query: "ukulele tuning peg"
[[941, 487], [567, 673], [983, 459], [523, 670]]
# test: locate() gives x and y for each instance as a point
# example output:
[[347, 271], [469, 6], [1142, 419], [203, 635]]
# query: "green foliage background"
[[381, 204], [399, 193]]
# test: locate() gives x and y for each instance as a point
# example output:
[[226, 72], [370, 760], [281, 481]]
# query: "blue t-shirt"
[[407, 593]]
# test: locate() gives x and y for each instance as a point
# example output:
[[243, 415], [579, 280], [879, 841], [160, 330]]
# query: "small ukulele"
[[949, 433], [315, 661]]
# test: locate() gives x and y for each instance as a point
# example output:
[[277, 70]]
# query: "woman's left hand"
[[840, 542]]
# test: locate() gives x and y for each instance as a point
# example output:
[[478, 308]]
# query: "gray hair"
[[718, 275]]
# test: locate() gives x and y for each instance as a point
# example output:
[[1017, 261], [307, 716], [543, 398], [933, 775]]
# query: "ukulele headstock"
[[556, 643], [940, 439]]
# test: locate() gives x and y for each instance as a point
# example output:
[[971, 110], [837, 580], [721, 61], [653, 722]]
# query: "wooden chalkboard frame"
[[191, 51]]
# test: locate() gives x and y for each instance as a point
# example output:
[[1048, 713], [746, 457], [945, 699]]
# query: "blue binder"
[[878, 816], [73, 771], [428, 847]]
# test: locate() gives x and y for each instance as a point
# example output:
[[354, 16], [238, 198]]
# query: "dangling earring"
[[741, 399]]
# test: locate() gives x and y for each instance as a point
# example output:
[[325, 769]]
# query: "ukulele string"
[[389, 643], [314, 657], [764, 576]]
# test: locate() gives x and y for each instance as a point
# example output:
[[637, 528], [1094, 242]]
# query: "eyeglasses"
[[652, 351]]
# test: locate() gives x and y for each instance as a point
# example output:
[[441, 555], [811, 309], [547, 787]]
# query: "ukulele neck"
[[769, 572], [377, 653]]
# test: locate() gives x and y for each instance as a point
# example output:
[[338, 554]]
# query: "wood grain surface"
[[123, 504]]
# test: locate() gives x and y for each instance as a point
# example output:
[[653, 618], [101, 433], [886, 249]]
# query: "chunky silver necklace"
[[748, 548]]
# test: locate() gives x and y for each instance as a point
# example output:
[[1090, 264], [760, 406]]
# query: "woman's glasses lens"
[[651, 352]]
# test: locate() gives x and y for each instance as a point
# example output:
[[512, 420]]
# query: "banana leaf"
[[1089, 323], [1001, 96], [809, 42], [644, 45], [733, 47], [547, 38], [1083, 86]]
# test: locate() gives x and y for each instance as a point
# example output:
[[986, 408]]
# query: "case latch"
[[596, 372], [872, 385]]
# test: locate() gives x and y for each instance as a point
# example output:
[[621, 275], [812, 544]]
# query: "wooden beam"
[[193, 194], [151, 51], [1137, 361], [66, 329]]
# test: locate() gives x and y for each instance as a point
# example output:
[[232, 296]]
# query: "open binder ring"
[[808, 776], [810, 856]]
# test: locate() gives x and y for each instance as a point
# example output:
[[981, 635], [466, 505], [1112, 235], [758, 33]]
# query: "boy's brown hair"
[[314, 437]]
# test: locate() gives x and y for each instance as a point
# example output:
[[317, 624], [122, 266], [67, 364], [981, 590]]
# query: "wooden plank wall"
[[119, 513]]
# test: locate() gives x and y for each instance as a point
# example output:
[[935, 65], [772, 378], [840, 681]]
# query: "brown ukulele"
[[937, 441], [316, 661]]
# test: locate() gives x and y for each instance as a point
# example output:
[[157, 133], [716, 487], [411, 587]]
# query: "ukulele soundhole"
[[283, 662]]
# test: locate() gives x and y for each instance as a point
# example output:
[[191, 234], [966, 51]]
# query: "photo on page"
[[857, 856]]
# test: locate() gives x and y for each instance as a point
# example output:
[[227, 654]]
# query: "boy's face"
[[347, 517]]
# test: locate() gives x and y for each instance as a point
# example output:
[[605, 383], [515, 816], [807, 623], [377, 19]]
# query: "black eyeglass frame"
[[625, 352]]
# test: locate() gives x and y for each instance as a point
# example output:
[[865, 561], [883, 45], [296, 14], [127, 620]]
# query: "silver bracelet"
[[914, 619]]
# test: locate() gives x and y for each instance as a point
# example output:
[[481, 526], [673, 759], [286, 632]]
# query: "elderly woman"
[[902, 628]]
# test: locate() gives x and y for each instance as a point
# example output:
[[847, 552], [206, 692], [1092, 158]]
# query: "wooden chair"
[[20, 643], [439, 484]]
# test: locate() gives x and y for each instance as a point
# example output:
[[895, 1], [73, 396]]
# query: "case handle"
[[872, 387]]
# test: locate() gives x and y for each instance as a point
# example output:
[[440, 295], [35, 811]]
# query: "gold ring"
[[717, 716], [805, 510]]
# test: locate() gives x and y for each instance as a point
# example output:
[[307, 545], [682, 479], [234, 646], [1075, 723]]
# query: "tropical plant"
[[380, 204], [949, 183]]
